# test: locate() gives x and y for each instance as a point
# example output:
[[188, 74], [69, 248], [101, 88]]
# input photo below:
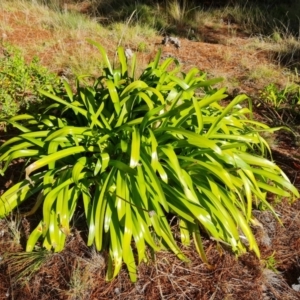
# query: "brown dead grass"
[[223, 53]]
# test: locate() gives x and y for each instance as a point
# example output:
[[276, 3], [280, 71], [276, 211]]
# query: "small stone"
[[128, 53], [296, 287], [175, 42]]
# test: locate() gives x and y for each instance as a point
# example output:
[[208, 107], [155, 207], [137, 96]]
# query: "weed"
[[23, 265], [276, 36], [282, 105], [20, 82], [150, 16], [271, 263], [177, 11], [79, 283], [262, 72], [278, 98], [134, 33], [142, 47], [287, 52]]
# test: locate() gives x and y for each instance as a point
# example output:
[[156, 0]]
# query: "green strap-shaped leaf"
[[277, 178], [184, 205], [96, 115], [97, 167], [213, 168], [16, 125], [52, 148], [234, 102], [193, 138], [257, 161], [198, 242], [123, 61], [14, 148], [34, 237], [190, 77], [217, 96], [156, 60], [241, 138], [53, 229], [126, 246], [241, 222], [91, 217], [20, 138], [133, 66], [135, 148], [104, 161], [136, 85], [78, 167], [68, 90], [154, 181], [165, 64], [19, 154], [52, 196], [139, 239], [121, 194], [67, 104], [141, 185], [184, 232], [147, 99], [273, 189], [73, 195], [34, 141], [18, 193], [199, 116], [247, 191], [56, 156], [174, 166], [108, 213], [21, 117], [116, 243], [69, 131], [130, 263], [114, 95], [104, 55], [100, 207], [156, 165], [166, 233], [148, 115]]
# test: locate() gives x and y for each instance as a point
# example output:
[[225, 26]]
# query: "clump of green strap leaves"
[[134, 152]]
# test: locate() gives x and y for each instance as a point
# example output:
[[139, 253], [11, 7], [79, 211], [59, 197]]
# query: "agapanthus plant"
[[135, 150]]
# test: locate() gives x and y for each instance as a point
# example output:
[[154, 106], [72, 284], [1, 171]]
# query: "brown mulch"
[[166, 277]]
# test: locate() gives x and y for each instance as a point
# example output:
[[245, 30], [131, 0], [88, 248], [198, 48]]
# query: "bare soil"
[[79, 272]]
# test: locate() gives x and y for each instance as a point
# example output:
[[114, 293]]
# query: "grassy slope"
[[59, 40]]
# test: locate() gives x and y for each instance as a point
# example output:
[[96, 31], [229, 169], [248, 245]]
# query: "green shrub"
[[20, 82], [134, 152], [280, 98], [282, 106]]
